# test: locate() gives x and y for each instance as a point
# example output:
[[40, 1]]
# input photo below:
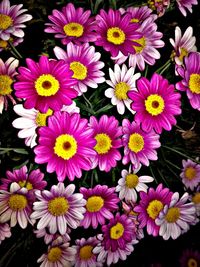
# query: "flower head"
[[159, 6], [183, 5], [4, 45], [139, 14], [190, 174], [4, 231]]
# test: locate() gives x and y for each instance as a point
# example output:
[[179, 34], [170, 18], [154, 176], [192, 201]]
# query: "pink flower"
[[4, 231], [190, 174], [183, 5]]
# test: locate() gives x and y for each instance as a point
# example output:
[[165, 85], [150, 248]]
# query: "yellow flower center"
[[5, 85], [80, 71], [121, 90], [73, 29], [194, 83], [192, 263], [190, 173], [5, 22], [3, 44], [142, 43], [132, 180], [65, 146], [54, 254], [154, 104], [47, 85], [116, 36], [116, 231], [134, 20], [17, 202], [58, 206], [85, 252], [172, 215], [41, 118], [104, 143], [152, 5], [196, 198], [25, 184], [183, 53], [136, 142], [154, 207], [94, 203]]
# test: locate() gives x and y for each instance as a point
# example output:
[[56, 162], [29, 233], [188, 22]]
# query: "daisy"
[[175, 217], [84, 256], [58, 208], [139, 146], [32, 119], [107, 134], [4, 45], [156, 103], [130, 183], [7, 73], [4, 231], [149, 207], [84, 63], [12, 20], [183, 5], [72, 25], [16, 206], [66, 145], [59, 254], [44, 85], [190, 174], [115, 32], [139, 14], [159, 6], [190, 258], [101, 202], [121, 81], [191, 79]]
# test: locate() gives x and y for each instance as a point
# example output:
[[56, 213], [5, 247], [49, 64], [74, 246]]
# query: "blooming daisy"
[[44, 85], [7, 73], [150, 205], [16, 206], [139, 14], [12, 20], [117, 240], [183, 5], [175, 217], [190, 174], [84, 256], [66, 145], [130, 183], [107, 134], [139, 146], [191, 79], [58, 208], [159, 6], [121, 81], [156, 103], [72, 25], [190, 258], [84, 63], [4, 231], [115, 32], [101, 202], [59, 254]]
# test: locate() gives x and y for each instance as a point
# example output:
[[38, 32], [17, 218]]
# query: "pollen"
[[73, 29], [54, 254], [172, 215], [25, 184], [121, 90], [132, 180], [142, 43], [104, 143], [65, 146], [41, 118], [47, 85], [58, 206], [117, 231], [154, 207], [5, 21], [80, 71], [5, 85], [116, 36], [17, 202], [94, 203], [85, 252], [154, 104], [136, 142], [194, 83]]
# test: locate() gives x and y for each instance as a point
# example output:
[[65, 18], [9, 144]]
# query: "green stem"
[[160, 173], [163, 66], [167, 66], [153, 174], [87, 101], [15, 50], [146, 71]]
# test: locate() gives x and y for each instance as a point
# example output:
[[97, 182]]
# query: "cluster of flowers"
[[50, 122]]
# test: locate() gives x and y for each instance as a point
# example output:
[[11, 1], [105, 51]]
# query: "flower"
[[7, 73], [191, 79], [159, 5], [101, 202], [4, 231], [190, 174], [107, 134], [149, 207], [115, 32], [139, 146], [84, 63], [16, 206], [59, 254], [189, 258], [44, 85], [72, 25], [175, 217], [130, 183], [66, 145], [156, 103], [195, 198], [58, 208], [12, 20], [139, 14], [183, 5], [85, 256], [121, 81], [4, 45]]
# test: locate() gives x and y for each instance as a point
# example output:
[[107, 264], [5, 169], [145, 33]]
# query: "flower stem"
[[163, 67], [16, 52]]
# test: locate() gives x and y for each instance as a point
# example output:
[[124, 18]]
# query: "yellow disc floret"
[[17, 202], [5, 85], [136, 142], [58, 206], [142, 43], [54, 254], [172, 215], [65, 146], [104, 143], [154, 104], [73, 29], [116, 231], [154, 207], [41, 118], [94, 203], [121, 90], [80, 71], [5, 21], [194, 83], [132, 180], [47, 85], [85, 252], [116, 36]]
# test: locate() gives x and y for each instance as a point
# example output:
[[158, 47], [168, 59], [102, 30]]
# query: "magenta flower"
[[44, 85], [191, 79], [159, 6], [72, 25], [107, 134], [139, 146], [183, 5], [66, 145], [190, 174], [156, 103], [139, 14], [4, 231], [101, 202], [116, 32]]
